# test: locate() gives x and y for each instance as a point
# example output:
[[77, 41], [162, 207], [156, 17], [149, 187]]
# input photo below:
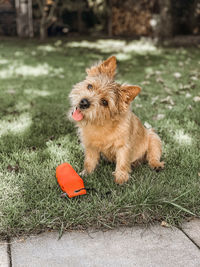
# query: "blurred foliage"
[[130, 17], [7, 17], [113, 17], [133, 17], [186, 16], [81, 16]]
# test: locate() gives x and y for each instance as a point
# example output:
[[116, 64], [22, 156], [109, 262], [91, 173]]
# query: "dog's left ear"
[[107, 67], [129, 92]]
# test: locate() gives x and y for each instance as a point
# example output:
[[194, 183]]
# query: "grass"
[[36, 136]]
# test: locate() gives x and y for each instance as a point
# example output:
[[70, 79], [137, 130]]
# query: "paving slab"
[[192, 229], [4, 258], [155, 246]]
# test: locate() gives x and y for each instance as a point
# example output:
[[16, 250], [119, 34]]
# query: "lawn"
[[36, 136]]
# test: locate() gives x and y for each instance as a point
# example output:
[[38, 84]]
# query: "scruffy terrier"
[[101, 109]]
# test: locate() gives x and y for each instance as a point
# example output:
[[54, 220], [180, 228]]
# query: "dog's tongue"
[[77, 115]]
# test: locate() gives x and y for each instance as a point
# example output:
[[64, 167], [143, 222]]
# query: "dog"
[[101, 110]]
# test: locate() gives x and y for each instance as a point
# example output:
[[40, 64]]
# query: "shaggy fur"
[[108, 126]]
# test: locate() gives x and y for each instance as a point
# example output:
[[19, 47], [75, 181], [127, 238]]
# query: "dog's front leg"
[[123, 165], [91, 160]]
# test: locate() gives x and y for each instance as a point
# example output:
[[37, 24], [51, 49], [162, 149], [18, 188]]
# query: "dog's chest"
[[102, 138]]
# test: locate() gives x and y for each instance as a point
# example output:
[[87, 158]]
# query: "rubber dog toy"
[[70, 182]]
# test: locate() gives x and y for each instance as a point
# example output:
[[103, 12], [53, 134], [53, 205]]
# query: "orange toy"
[[69, 181]]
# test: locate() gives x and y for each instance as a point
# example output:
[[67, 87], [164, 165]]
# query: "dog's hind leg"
[[154, 151]]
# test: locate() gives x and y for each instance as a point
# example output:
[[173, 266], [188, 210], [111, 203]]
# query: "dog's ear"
[[129, 92], [107, 67]]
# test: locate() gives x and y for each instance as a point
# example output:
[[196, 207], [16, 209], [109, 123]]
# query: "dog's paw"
[[158, 166], [121, 177], [83, 173]]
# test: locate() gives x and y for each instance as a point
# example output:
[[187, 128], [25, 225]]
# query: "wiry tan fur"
[[114, 130]]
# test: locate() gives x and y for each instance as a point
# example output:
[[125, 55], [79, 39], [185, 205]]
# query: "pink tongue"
[[77, 115]]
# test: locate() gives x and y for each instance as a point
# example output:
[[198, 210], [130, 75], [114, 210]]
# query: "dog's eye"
[[89, 86], [104, 102]]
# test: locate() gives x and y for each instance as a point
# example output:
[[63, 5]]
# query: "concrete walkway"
[[154, 246]]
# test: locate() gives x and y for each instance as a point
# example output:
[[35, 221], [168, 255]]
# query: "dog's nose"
[[84, 103]]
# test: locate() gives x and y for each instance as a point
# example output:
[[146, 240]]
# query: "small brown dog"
[[101, 108]]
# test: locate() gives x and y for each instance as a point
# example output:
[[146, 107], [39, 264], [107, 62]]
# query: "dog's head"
[[99, 97]]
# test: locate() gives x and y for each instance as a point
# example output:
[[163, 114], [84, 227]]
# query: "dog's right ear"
[[107, 67]]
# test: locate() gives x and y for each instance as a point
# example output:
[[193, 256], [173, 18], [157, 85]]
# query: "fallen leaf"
[[177, 75], [186, 86], [196, 98], [164, 224], [159, 117], [149, 75], [167, 100], [188, 95], [168, 90], [158, 72], [169, 107], [154, 99], [138, 105], [145, 82], [180, 86], [159, 80], [194, 78], [147, 125]]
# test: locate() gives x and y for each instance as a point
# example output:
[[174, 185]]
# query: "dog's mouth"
[[77, 115]]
